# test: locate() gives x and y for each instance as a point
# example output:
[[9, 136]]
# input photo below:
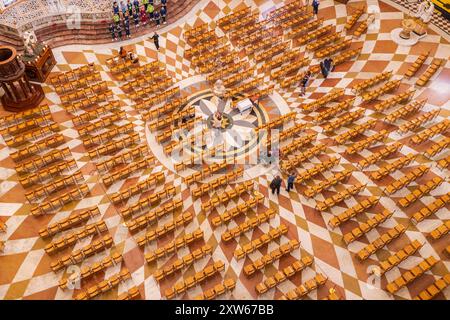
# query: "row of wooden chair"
[[305, 288], [351, 21], [75, 106], [365, 227], [334, 95], [441, 230], [411, 275], [26, 125], [38, 147], [391, 167], [83, 93], [2, 226], [204, 47], [434, 130], [131, 294], [53, 186], [138, 188], [80, 255], [270, 53], [124, 158], [351, 212], [220, 289], [288, 15], [223, 73], [192, 281], [183, 262], [171, 133], [366, 143], [47, 206], [174, 245], [160, 231], [248, 19], [247, 225], [156, 113], [283, 275], [323, 41], [252, 28], [290, 132], [290, 68], [144, 203], [108, 135], [298, 20], [385, 88], [144, 81], [431, 208], [316, 169], [239, 77], [332, 111], [210, 56], [221, 62], [236, 15], [434, 289], [270, 257], [394, 260], [32, 135], [73, 74], [406, 179], [227, 195], [42, 161], [238, 210], [218, 182], [194, 31], [255, 45], [195, 158], [201, 37], [303, 29], [114, 145], [70, 239], [366, 84], [156, 89], [363, 27], [71, 221], [414, 67], [205, 172], [345, 56], [181, 140], [383, 153], [152, 216], [393, 101], [314, 34], [380, 242], [277, 122], [118, 65], [16, 118], [333, 49], [286, 58], [264, 239], [104, 286], [84, 119], [420, 191], [139, 71], [297, 143], [339, 197], [73, 85], [292, 81], [283, 9], [158, 124], [431, 70], [439, 146], [323, 185], [416, 123], [122, 173], [444, 163], [355, 131], [296, 160], [90, 270]]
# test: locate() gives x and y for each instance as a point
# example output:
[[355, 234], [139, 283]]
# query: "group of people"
[[139, 12], [275, 185]]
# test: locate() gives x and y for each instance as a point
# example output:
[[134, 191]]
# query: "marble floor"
[[25, 271]]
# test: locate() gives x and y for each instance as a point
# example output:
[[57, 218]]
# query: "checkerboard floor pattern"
[[25, 266]]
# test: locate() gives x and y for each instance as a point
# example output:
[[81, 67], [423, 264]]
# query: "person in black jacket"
[[275, 185], [156, 40]]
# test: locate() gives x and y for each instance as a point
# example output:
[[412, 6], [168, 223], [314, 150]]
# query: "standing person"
[[304, 82], [315, 5], [123, 7], [143, 16], [136, 18], [163, 13], [127, 28], [157, 18], [145, 3], [150, 10], [275, 185], [112, 30], [290, 181], [116, 19], [116, 8], [156, 40], [119, 31], [130, 8], [137, 5]]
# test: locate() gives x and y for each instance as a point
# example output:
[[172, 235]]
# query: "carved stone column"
[[19, 93]]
